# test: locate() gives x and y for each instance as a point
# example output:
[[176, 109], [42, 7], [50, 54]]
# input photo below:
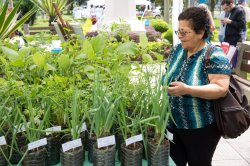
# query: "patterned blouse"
[[193, 112]]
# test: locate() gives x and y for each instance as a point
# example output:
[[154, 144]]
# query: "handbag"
[[232, 112]]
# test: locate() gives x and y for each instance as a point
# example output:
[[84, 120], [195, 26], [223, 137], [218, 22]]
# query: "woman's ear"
[[202, 34]]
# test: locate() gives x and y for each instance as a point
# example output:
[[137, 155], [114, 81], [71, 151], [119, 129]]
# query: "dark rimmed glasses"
[[182, 33]]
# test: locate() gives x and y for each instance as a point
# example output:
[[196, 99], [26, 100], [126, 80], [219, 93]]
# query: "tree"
[[25, 7], [212, 5], [47, 7]]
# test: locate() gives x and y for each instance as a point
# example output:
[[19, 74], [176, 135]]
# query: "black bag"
[[232, 112]]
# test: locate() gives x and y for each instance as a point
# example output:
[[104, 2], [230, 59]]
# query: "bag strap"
[[208, 54]]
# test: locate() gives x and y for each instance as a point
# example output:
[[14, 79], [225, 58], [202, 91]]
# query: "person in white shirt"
[[222, 27]]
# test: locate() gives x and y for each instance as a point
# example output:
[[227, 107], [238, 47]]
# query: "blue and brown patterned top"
[[193, 112]]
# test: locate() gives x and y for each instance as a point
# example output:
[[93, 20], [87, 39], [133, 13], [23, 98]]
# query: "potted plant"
[[158, 105], [106, 98], [132, 147], [131, 120], [75, 120], [35, 150]]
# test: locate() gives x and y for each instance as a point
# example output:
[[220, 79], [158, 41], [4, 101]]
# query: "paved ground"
[[233, 152]]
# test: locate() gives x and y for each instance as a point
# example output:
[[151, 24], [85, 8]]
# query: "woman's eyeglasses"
[[182, 33]]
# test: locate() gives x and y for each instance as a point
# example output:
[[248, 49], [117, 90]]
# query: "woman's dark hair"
[[198, 18]]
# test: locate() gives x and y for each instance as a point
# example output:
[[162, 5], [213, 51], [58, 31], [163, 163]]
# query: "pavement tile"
[[225, 152], [248, 160], [230, 163], [243, 148], [233, 152]]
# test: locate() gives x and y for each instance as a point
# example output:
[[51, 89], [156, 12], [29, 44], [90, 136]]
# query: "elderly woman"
[[192, 87]]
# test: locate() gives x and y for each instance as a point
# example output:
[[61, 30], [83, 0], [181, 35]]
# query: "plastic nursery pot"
[[68, 137], [53, 149], [132, 154], [158, 156], [73, 157], [91, 142], [119, 140], [4, 149], [104, 156], [20, 142], [35, 157]]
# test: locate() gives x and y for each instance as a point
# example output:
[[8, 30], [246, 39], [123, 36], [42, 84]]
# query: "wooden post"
[[66, 33], [26, 29]]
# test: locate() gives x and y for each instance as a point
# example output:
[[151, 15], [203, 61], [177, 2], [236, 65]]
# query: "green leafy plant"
[[106, 100], [9, 22], [131, 118], [158, 105], [159, 25], [168, 35], [76, 116]]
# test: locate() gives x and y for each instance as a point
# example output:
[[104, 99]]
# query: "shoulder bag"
[[232, 112]]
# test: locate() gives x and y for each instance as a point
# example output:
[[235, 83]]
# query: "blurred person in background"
[[243, 4], [221, 34], [234, 21], [211, 20]]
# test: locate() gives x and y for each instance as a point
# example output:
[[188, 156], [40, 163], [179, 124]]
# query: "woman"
[[192, 88]]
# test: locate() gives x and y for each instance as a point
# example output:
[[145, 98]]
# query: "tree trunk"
[[166, 11], [212, 5]]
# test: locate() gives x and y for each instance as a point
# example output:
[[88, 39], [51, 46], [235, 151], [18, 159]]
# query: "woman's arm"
[[217, 88]]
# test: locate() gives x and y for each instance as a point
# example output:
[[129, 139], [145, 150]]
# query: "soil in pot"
[[104, 156], [35, 157], [158, 156], [132, 154], [73, 157]]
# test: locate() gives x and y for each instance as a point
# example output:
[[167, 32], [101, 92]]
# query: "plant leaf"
[[88, 50], [24, 51], [39, 60], [49, 67], [147, 58], [128, 48], [11, 54], [143, 40], [89, 68], [98, 43], [64, 61]]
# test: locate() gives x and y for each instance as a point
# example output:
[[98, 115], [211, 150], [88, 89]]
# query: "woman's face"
[[189, 39]]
